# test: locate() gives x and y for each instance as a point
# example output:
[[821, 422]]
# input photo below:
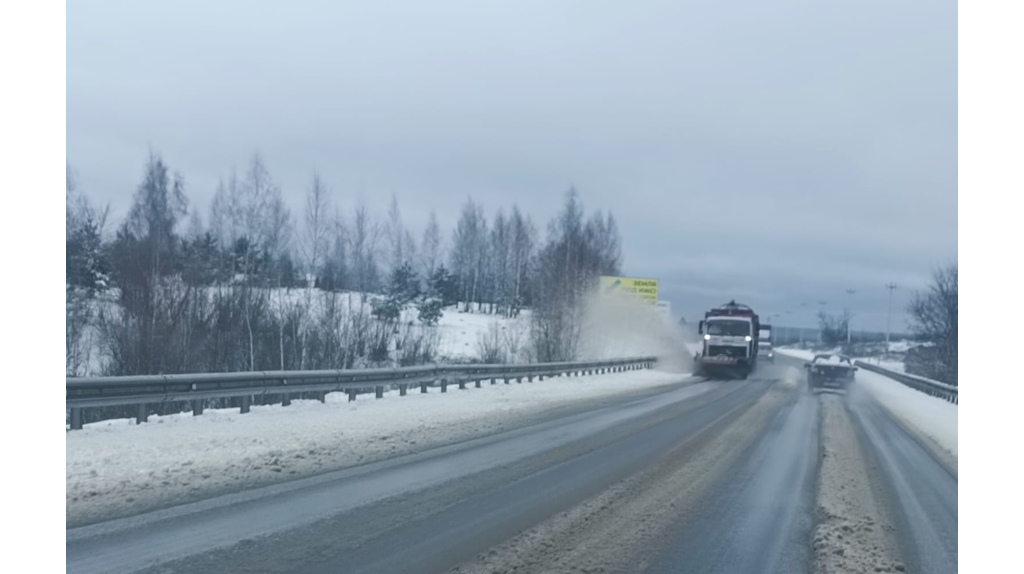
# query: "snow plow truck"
[[729, 342]]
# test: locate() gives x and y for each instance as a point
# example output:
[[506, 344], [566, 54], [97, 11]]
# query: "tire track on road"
[[918, 490], [627, 527]]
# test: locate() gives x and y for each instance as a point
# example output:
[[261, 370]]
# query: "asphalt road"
[[464, 504], [920, 492], [759, 517]]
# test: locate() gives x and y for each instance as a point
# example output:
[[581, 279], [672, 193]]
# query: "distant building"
[[665, 309]]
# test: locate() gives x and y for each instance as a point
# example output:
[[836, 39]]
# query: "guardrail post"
[[540, 377], [423, 388], [493, 381], [322, 395], [506, 380], [76, 418], [143, 414], [403, 389], [286, 399], [529, 378], [519, 379], [477, 383], [197, 407], [444, 385], [246, 401], [462, 384], [379, 392], [351, 395]]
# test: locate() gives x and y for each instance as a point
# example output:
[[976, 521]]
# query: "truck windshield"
[[729, 328]]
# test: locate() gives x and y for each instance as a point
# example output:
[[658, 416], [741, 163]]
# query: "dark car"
[[830, 371]]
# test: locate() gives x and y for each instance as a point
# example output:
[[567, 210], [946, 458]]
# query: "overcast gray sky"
[[776, 151]]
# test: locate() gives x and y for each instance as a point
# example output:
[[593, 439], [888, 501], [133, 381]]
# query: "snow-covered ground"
[[932, 417], [902, 346], [460, 333], [884, 363], [891, 365], [113, 466]]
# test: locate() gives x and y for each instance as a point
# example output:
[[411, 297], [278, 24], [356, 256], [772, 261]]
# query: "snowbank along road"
[[679, 474]]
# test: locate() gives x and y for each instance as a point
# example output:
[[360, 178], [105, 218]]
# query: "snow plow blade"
[[721, 368]]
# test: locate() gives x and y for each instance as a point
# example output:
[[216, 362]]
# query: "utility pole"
[[822, 304], [849, 292], [888, 320], [804, 305]]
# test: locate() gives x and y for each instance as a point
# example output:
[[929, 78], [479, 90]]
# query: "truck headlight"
[[748, 338], [707, 337]]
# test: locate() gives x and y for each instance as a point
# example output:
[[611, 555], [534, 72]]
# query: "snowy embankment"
[[460, 334], [930, 416], [114, 468]]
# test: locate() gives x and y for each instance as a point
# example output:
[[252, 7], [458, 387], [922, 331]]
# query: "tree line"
[[257, 287]]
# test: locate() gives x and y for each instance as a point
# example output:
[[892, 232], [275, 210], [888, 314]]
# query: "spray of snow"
[[622, 325]]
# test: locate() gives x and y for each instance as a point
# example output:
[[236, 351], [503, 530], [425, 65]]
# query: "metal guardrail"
[[925, 385], [147, 390]]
